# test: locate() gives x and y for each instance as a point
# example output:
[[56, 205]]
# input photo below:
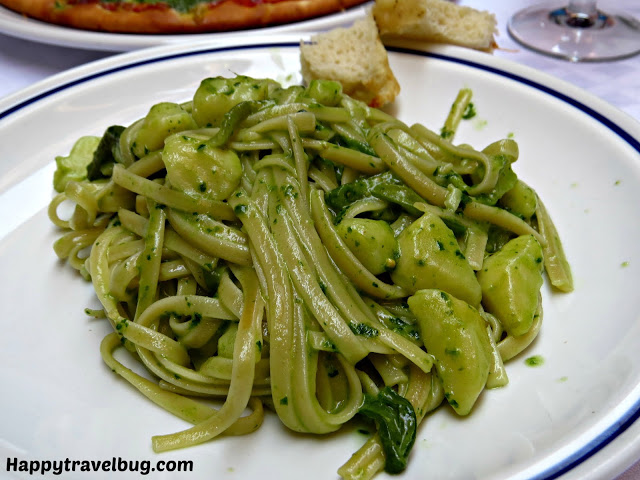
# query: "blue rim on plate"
[[624, 421]]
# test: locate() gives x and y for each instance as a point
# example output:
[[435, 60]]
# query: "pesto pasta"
[[295, 249]]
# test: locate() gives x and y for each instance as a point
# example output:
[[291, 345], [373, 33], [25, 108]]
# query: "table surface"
[[24, 62]]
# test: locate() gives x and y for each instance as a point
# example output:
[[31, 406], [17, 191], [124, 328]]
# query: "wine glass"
[[577, 32]]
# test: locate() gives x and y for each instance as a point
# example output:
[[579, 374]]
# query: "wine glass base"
[[550, 30]]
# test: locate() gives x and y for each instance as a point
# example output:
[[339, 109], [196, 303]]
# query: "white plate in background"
[[17, 25], [573, 417]]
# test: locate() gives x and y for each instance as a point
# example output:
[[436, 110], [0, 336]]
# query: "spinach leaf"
[[396, 422], [231, 120], [357, 145], [400, 195], [346, 194], [105, 152]]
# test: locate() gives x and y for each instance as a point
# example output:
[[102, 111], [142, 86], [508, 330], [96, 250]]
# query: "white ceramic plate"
[[572, 417], [16, 25]]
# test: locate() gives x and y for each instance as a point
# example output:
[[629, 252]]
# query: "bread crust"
[[221, 15]]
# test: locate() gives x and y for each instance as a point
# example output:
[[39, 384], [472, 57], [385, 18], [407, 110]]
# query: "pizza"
[[174, 16]]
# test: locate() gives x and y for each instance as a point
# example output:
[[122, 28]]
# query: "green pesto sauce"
[[240, 209], [289, 191], [480, 124], [180, 5], [534, 361], [444, 133], [332, 371], [329, 345], [363, 330], [452, 401], [469, 112]]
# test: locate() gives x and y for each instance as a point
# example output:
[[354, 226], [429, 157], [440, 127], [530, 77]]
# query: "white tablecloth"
[[24, 62]]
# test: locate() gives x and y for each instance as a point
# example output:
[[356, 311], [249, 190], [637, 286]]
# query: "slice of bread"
[[356, 58], [436, 21]]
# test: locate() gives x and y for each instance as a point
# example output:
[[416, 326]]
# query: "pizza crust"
[[158, 19]]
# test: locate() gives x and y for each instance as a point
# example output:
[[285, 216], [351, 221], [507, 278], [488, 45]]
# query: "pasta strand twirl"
[[296, 249]]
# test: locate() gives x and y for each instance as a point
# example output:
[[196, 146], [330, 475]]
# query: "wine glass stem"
[[582, 7], [582, 13]]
